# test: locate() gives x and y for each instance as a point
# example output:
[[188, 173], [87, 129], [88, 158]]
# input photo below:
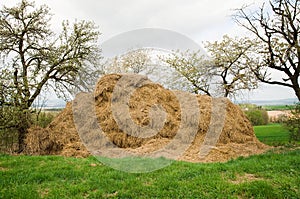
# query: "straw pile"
[[61, 138]]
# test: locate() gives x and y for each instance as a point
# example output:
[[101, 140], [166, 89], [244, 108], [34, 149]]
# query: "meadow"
[[272, 134], [274, 174]]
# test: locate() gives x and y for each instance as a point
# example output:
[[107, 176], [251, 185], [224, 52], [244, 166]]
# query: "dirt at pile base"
[[61, 137]]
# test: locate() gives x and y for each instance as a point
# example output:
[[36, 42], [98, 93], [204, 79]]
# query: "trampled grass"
[[272, 134], [271, 175]]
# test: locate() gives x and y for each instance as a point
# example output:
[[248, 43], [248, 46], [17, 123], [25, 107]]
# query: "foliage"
[[257, 116], [230, 59], [10, 121], [271, 175], [225, 73], [248, 106], [10, 117], [292, 123], [276, 28], [135, 61], [34, 58], [193, 66], [13, 120], [43, 119]]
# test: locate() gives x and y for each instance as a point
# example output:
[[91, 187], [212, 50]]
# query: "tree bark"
[[22, 129], [21, 140], [297, 93]]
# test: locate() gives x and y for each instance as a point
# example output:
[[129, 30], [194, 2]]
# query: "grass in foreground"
[[272, 175], [272, 134]]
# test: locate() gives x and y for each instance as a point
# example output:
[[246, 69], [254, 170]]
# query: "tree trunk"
[[21, 140], [296, 87], [22, 128], [297, 92]]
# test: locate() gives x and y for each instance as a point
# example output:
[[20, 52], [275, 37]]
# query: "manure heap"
[[216, 141]]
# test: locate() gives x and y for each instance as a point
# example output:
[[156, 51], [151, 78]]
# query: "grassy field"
[[272, 175], [272, 134], [278, 107]]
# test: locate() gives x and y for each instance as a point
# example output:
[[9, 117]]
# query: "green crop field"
[[278, 107], [272, 134]]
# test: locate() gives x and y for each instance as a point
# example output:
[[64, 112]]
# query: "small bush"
[[13, 122], [257, 116], [43, 119], [292, 123]]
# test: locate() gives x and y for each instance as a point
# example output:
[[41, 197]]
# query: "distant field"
[[278, 107], [272, 134], [53, 109]]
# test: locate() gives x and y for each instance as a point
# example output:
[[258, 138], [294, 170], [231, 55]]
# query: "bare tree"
[[276, 26], [34, 58]]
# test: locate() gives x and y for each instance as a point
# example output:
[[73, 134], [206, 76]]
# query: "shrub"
[[257, 116], [43, 119], [13, 120], [292, 123], [265, 116]]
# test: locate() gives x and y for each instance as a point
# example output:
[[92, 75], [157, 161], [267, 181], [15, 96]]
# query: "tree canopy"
[[34, 58], [224, 73], [276, 27]]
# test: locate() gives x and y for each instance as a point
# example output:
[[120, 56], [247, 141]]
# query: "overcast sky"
[[200, 20]]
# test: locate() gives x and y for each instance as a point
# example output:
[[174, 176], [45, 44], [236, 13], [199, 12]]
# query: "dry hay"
[[61, 138]]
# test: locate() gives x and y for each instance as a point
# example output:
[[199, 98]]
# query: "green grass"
[[272, 134], [273, 175]]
